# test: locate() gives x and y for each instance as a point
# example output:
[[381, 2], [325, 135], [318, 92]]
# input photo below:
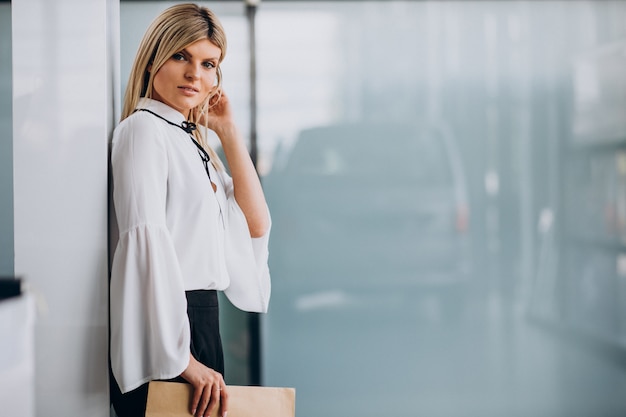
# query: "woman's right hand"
[[209, 388]]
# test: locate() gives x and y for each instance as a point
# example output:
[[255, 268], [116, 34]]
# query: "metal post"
[[251, 7], [254, 322]]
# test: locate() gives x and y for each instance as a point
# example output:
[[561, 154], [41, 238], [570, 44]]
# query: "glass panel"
[[445, 234], [6, 143]]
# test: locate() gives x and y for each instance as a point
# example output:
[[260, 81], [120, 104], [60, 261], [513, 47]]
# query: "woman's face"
[[187, 78]]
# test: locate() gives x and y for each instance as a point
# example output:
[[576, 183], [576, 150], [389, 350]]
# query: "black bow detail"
[[188, 126]]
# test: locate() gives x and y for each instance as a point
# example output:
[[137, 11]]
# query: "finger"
[[204, 402], [224, 400], [215, 398], [195, 399]]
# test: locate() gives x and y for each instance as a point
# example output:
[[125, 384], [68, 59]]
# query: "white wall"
[[63, 113]]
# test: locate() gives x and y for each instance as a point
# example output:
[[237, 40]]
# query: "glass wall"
[[446, 181], [6, 143]]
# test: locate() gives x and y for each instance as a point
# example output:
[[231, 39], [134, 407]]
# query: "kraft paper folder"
[[172, 399]]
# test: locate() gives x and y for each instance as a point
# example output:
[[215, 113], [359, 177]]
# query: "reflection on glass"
[[6, 143], [443, 197], [396, 213]]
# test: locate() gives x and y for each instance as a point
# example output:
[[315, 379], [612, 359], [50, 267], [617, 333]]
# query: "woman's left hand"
[[219, 114], [247, 187]]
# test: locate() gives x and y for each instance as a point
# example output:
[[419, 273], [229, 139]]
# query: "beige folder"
[[172, 399]]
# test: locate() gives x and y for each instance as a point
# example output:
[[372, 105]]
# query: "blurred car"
[[365, 206], [369, 255]]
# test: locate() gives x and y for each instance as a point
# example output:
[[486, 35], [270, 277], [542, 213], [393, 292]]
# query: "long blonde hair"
[[174, 29]]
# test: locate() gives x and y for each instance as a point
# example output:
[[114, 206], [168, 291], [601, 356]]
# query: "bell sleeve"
[[150, 333], [246, 258]]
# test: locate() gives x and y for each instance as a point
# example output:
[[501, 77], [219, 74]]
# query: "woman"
[[186, 228]]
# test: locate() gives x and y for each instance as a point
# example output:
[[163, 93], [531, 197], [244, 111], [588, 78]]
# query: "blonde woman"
[[187, 229]]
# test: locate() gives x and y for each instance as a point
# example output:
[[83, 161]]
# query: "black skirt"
[[206, 347]]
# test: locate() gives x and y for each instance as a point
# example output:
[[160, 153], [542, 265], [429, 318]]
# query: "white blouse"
[[175, 234]]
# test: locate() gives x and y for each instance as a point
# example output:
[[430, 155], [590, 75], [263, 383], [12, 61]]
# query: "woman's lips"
[[190, 91]]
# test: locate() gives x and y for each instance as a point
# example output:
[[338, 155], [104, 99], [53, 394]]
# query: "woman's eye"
[[178, 57], [209, 65]]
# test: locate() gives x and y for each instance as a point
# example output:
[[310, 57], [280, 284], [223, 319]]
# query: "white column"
[[63, 113], [17, 346]]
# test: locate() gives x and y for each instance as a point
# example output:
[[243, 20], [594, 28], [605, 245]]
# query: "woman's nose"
[[193, 71]]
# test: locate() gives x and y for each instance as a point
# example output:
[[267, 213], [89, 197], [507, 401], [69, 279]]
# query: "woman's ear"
[[216, 94]]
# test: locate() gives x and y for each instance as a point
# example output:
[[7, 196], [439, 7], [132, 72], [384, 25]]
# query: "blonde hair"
[[173, 30]]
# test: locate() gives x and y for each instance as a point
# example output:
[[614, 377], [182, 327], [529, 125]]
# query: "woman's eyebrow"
[[187, 54]]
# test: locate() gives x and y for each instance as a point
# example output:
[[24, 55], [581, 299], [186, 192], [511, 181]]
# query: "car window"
[[402, 153]]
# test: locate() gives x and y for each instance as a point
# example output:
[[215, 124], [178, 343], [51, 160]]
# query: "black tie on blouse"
[[188, 127]]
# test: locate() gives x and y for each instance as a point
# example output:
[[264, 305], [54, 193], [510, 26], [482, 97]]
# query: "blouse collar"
[[162, 110]]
